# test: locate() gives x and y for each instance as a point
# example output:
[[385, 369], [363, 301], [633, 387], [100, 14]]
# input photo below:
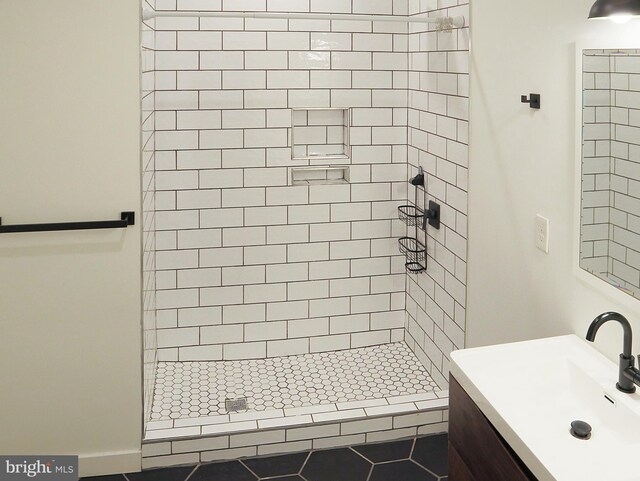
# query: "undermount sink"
[[532, 391]]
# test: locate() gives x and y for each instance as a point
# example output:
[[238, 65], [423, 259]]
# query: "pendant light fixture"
[[617, 10]]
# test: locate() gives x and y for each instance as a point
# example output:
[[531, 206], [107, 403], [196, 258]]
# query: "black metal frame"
[[126, 219]]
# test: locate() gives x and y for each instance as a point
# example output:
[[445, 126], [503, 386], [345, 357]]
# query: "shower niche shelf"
[[319, 175], [415, 253]]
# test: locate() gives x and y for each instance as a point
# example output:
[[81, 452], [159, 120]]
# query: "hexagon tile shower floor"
[[196, 389]]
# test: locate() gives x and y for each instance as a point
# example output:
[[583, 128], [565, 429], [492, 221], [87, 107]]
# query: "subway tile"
[[265, 177], [265, 331], [265, 138], [222, 60], [308, 214], [198, 159], [287, 234], [307, 290], [200, 316], [232, 217], [265, 255], [287, 195], [330, 232], [219, 296], [199, 353], [330, 79], [172, 460], [262, 216], [339, 441], [232, 427], [173, 338], [243, 158], [349, 324], [221, 139], [265, 293], [249, 197], [370, 338], [244, 314], [265, 60], [288, 347], [228, 454], [243, 236], [199, 278], [243, 119], [285, 79], [166, 60], [191, 445], [244, 40], [309, 60], [244, 79], [251, 439], [281, 311], [317, 251], [368, 425], [329, 269], [288, 40], [219, 99], [199, 41], [308, 327], [350, 249]]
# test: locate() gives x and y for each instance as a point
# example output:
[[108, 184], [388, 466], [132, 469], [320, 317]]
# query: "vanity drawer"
[[476, 451]]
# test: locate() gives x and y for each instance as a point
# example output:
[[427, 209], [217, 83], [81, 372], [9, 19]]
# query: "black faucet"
[[628, 375]]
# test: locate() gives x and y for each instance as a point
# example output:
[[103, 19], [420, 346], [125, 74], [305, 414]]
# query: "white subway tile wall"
[[249, 266], [437, 137], [149, 323], [611, 166]]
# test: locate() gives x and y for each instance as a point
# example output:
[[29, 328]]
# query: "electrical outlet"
[[542, 233]]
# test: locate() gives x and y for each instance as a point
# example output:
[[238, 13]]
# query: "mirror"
[[610, 167]]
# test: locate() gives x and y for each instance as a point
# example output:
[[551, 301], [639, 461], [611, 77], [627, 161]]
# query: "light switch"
[[542, 233]]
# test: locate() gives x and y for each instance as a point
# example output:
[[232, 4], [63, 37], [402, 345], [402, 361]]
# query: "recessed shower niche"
[[318, 135]]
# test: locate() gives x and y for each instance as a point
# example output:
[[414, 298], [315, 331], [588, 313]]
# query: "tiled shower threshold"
[[295, 391]]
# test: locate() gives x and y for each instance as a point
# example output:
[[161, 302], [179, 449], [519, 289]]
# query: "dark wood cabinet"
[[477, 452]]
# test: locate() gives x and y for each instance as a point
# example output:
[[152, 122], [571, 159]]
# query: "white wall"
[[521, 164], [70, 367]]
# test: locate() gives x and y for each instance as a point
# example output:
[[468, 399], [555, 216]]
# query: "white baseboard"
[[110, 463]]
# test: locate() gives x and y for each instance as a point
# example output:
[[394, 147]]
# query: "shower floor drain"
[[236, 405]]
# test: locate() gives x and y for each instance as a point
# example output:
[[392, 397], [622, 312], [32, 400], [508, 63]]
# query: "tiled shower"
[[610, 192], [279, 313]]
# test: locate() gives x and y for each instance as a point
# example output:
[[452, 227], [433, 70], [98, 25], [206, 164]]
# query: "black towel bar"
[[126, 219]]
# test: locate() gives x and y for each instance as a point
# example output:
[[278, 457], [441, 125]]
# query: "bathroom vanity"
[[476, 450], [512, 407]]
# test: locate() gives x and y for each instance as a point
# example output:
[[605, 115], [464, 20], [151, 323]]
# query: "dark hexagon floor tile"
[[277, 465], [380, 453], [163, 474], [400, 470], [431, 452], [112, 477], [230, 471], [336, 464], [286, 478]]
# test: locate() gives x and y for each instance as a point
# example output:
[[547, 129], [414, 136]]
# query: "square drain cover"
[[236, 405]]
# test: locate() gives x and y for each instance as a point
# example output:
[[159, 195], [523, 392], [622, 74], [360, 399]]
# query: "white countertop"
[[531, 392]]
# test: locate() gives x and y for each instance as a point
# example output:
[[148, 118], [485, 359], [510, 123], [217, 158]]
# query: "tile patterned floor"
[[422, 459], [198, 389]]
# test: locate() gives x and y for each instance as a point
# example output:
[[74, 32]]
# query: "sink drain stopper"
[[580, 430]]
